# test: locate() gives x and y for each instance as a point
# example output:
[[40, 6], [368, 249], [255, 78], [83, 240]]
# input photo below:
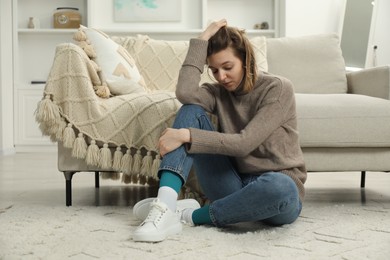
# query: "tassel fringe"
[[80, 147], [136, 169], [147, 162], [155, 166], [116, 165], [105, 157], [92, 157], [137, 163], [79, 36], [47, 111], [102, 91], [69, 136], [60, 130], [126, 163]]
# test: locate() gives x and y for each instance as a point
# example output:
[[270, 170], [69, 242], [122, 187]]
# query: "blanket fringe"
[[136, 168], [79, 147], [116, 164], [126, 163], [137, 163], [60, 131], [105, 157], [92, 157], [69, 136], [147, 162], [155, 166], [47, 111], [102, 91]]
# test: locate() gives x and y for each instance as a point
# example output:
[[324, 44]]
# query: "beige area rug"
[[322, 232]]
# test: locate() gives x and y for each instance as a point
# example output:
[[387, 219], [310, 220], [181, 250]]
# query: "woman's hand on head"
[[171, 139], [212, 29]]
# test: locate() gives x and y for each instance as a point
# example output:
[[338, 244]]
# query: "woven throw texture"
[[160, 61], [132, 121]]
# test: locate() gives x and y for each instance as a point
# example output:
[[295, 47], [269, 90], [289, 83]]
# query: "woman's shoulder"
[[269, 80], [275, 78], [274, 86]]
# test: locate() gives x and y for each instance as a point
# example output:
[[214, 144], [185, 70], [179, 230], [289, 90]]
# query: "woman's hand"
[[172, 139], [212, 29]]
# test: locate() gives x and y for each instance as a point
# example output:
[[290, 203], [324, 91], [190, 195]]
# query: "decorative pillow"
[[118, 70], [314, 63], [259, 44], [159, 61]]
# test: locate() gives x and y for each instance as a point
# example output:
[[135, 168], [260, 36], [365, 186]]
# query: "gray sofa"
[[343, 117]]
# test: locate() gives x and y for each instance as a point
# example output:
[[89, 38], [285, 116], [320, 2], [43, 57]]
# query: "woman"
[[253, 169]]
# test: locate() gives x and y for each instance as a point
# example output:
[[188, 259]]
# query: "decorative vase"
[[33, 23]]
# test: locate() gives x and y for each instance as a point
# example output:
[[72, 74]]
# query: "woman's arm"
[[276, 114], [172, 139], [188, 90]]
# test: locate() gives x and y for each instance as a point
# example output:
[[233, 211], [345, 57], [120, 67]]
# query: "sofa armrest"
[[373, 82]]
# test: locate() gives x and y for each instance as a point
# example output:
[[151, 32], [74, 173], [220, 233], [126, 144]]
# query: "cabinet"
[[34, 48], [33, 56]]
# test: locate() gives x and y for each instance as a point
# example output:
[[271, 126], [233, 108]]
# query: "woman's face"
[[227, 68]]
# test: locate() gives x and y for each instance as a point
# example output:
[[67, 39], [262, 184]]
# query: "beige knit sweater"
[[258, 130]]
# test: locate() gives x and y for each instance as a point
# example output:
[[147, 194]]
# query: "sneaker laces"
[[157, 211]]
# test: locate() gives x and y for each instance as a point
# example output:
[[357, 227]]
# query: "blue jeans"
[[271, 197]]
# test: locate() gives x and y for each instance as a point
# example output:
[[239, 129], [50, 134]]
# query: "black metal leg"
[[363, 179], [97, 182], [68, 187]]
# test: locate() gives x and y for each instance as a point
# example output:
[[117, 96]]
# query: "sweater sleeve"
[[271, 115], [187, 89]]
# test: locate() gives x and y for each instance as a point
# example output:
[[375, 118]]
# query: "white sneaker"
[[141, 208], [159, 223]]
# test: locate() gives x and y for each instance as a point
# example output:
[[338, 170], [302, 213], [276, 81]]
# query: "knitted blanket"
[[119, 133]]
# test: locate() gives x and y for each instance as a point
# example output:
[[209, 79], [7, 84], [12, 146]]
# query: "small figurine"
[[262, 26]]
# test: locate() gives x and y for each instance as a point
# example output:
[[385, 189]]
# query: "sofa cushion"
[[343, 120], [118, 69], [159, 61], [313, 63]]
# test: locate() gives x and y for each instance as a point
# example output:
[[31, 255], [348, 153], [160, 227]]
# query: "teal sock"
[[202, 216], [170, 179]]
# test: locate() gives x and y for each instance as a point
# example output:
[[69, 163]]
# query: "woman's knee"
[[283, 191], [278, 186], [288, 213], [192, 116], [191, 108]]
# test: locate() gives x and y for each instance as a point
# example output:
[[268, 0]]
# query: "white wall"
[[379, 35], [305, 17], [6, 79], [101, 15]]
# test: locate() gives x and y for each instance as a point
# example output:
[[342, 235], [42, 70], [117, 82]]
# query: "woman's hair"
[[242, 48]]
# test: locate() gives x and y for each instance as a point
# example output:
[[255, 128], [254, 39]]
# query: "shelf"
[[46, 31], [128, 31], [147, 31]]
